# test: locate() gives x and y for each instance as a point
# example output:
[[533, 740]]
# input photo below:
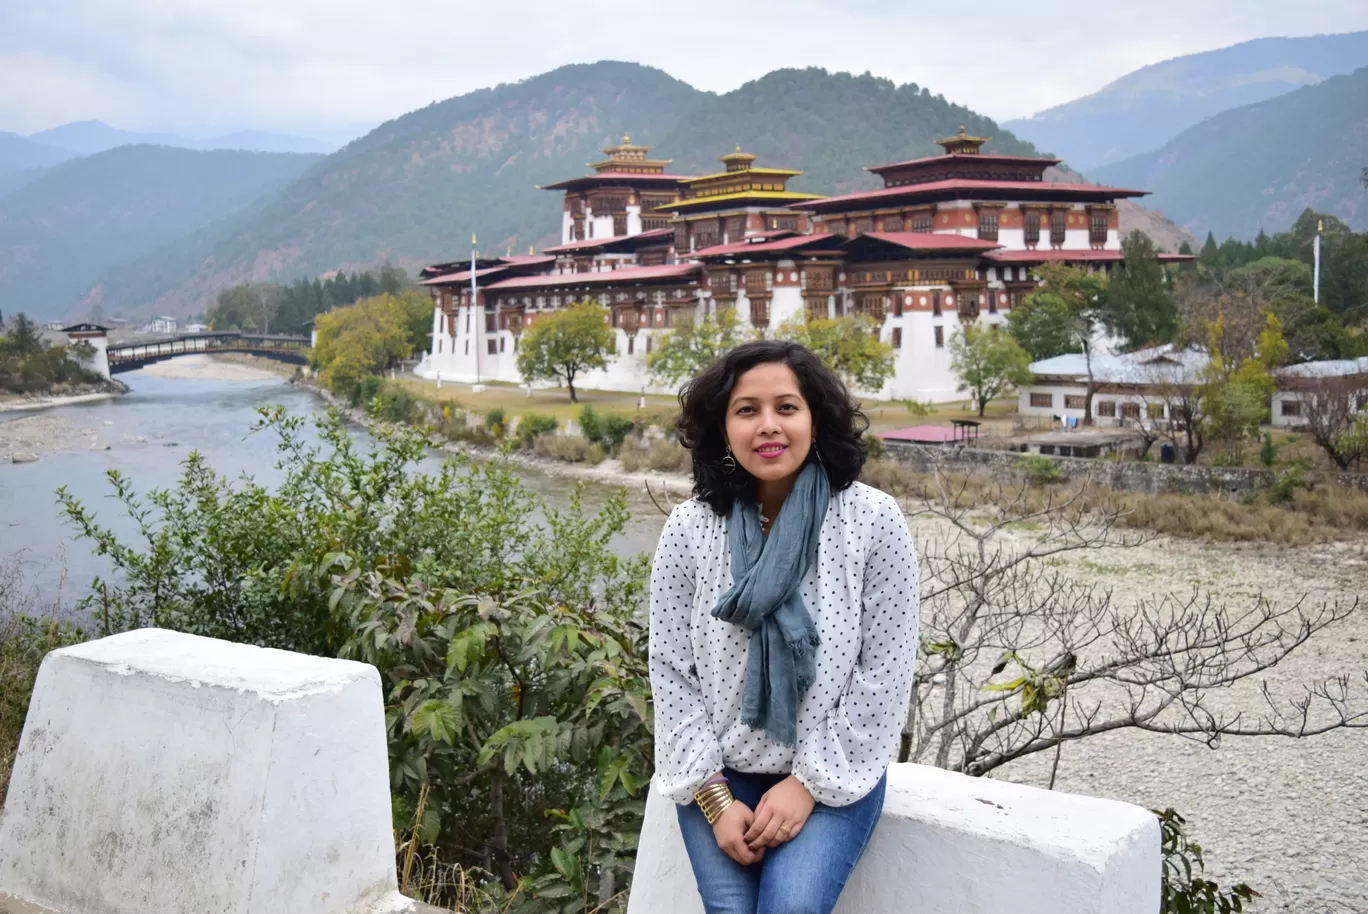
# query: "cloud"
[[299, 64]]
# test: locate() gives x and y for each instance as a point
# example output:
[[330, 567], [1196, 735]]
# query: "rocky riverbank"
[[65, 396]]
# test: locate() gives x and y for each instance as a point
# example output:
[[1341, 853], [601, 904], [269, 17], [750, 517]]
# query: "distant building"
[[949, 240], [162, 324], [54, 325], [1126, 388], [1298, 384], [196, 327]]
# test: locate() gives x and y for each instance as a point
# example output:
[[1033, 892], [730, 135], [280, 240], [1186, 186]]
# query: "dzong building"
[[947, 241]]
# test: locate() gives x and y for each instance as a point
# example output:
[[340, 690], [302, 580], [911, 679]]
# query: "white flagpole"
[[1320, 226], [474, 301]]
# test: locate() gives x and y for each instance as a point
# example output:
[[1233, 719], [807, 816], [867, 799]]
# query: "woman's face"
[[769, 424]]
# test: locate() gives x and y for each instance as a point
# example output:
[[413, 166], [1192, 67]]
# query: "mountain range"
[[1144, 110], [59, 232], [89, 137], [416, 187], [412, 190], [1260, 166]]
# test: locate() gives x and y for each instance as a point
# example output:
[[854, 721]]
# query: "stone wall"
[[954, 844], [1126, 475]]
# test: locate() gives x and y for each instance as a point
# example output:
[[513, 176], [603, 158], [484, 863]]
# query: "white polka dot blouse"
[[863, 594]]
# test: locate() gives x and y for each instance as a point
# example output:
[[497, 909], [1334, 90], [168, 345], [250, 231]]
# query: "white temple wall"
[[567, 227], [633, 219], [598, 227]]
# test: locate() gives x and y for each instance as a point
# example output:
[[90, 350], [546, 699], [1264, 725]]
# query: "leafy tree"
[[565, 344], [849, 345], [364, 338], [29, 365], [1139, 306], [1065, 314], [1043, 325], [689, 347], [1236, 394], [988, 362]]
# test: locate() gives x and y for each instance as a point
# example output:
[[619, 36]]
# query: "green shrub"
[[366, 390], [875, 448], [394, 404], [607, 430], [1038, 469], [508, 635], [615, 430], [532, 426], [1268, 454], [494, 421], [569, 448], [591, 427]]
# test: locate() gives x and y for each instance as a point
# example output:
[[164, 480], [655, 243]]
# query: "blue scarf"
[[765, 598]]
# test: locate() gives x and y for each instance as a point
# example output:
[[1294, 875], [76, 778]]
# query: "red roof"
[[958, 157], [611, 177], [782, 244], [591, 243], [463, 276], [965, 184], [601, 278], [928, 241]]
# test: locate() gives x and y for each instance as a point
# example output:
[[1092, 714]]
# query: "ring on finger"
[[785, 831]]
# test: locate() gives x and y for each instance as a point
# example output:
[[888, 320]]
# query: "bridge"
[[132, 356]]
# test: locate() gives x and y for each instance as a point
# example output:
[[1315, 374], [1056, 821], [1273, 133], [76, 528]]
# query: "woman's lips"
[[771, 451]]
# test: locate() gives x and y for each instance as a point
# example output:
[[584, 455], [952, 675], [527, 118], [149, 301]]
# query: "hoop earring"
[[728, 462]]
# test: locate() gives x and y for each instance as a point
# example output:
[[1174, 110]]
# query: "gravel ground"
[[1290, 817]]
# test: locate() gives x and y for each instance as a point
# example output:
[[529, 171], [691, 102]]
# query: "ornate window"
[[783, 223], [897, 337], [988, 224], [1106, 409], [923, 221], [759, 312], [1042, 401], [1074, 401], [864, 224], [681, 241], [893, 223], [872, 305], [936, 308], [816, 307], [1130, 410], [736, 229], [1097, 228], [1031, 227], [1058, 227], [620, 225], [940, 337]]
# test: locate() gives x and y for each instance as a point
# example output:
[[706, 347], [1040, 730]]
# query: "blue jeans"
[[802, 876]]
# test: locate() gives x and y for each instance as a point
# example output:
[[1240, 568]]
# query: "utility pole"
[[1316, 248]]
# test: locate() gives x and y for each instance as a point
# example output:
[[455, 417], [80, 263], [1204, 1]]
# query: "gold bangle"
[[714, 800]]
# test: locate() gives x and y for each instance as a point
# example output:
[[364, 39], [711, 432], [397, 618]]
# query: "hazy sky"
[[312, 65]]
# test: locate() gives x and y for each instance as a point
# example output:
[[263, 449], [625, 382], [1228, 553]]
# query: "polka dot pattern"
[[863, 593]]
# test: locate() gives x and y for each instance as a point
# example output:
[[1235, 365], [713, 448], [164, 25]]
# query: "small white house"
[[1298, 384], [1126, 387], [161, 324], [196, 327]]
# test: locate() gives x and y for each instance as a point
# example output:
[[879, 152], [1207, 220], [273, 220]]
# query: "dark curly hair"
[[838, 424]]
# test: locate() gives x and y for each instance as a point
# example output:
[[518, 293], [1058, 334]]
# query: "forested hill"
[[413, 190], [828, 125], [1145, 109], [1261, 166], [58, 233]]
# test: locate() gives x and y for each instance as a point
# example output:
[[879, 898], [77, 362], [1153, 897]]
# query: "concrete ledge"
[[182, 775], [951, 844]]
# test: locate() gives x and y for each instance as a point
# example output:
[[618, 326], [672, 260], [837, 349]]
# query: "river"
[[150, 431]]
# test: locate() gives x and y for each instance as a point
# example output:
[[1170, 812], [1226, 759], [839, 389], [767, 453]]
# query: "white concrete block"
[[182, 775], [952, 844]]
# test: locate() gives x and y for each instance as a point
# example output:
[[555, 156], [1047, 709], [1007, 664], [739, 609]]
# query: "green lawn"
[[514, 401]]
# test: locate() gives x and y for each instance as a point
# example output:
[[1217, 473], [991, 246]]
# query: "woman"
[[783, 635]]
